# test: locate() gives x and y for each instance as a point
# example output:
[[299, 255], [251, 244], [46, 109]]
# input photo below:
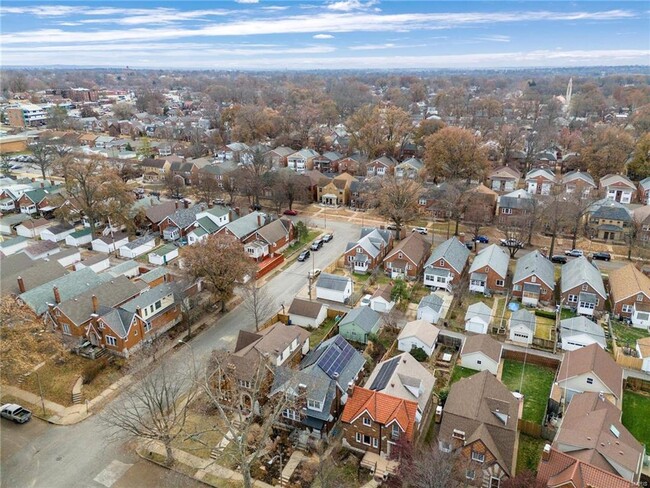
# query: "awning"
[[478, 277], [531, 288], [313, 423], [587, 298], [438, 271]]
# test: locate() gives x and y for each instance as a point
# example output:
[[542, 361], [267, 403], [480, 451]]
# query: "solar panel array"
[[336, 357], [384, 374]]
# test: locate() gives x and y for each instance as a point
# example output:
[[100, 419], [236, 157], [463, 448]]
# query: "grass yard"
[[627, 335], [299, 244], [529, 453], [460, 373], [566, 313], [636, 407], [489, 301], [317, 335], [58, 378], [204, 440], [543, 327], [536, 386]]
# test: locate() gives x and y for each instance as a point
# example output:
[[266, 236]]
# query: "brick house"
[[155, 214], [375, 422], [355, 164], [277, 157], [335, 191], [369, 251], [382, 166], [270, 239], [489, 270], [34, 201], [540, 181], [154, 170], [302, 160], [578, 182], [504, 179], [610, 222], [534, 279], [618, 188], [515, 204], [180, 223], [407, 259], [446, 264], [479, 421], [629, 290], [244, 227], [644, 191], [582, 288]]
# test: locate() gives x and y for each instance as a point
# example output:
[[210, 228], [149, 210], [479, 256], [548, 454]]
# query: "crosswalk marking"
[[112, 473]]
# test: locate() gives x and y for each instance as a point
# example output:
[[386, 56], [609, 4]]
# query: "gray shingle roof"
[[432, 301], [247, 224], [579, 271], [363, 317], [518, 199], [155, 273], [332, 282], [453, 251], [184, 217], [148, 297], [350, 367], [612, 213], [122, 268], [523, 317], [140, 241], [582, 325], [494, 257], [479, 309], [535, 263]]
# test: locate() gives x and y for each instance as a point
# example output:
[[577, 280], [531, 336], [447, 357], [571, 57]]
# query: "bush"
[[419, 354], [91, 371], [545, 314], [442, 395]]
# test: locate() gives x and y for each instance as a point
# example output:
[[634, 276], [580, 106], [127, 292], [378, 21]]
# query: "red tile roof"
[[383, 408], [561, 469]]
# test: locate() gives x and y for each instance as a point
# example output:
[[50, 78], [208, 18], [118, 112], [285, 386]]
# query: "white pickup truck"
[[15, 412]]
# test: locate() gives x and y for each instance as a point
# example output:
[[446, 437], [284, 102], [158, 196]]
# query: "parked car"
[[15, 412], [15, 167], [314, 273], [328, 237], [559, 259], [420, 230], [482, 239], [290, 212], [603, 256], [512, 243], [365, 301], [316, 245], [391, 227], [304, 256], [470, 245], [575, 253]]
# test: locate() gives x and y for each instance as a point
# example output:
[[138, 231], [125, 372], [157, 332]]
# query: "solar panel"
[[327, 359], [384, 374]]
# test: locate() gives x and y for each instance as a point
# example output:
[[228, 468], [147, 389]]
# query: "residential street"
[[39, 455]]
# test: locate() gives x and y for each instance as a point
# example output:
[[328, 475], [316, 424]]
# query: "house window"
[[639, 297], [395, 432], [350, 258], [375, 442], [573, 298], [358, 437], [442, 262], [66, 329], [158, 304], [147, 326], [458, 434], [244, 383], [585, 287], [290, 414], [478, 457], [500, 283], [399, 255], [359, 250], [642, 316], [366, 439], [533, 279], [627, 308], [495, 482], [470, 474], [111, 341], [313, 404], [516, 288], [478, 361], [366, 422], [506, 211], [590, 381]]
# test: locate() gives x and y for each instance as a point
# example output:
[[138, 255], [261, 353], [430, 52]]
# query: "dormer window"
[[314, 404], [442, 262], [458, 434]]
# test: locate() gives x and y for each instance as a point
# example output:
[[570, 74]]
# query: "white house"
[[430, 308], [14, 245], [418, 333], [79, 238], [590, 369], [68, 257], [163, 254], [643, 349], [381, 300], [334, 287], [307, 314], [97, 263], [481, 353], [478, 318], [641, 315], [109, 243], [129, 268], [57, 233], [32, 228], [577, 332], [138, 247], [522, 326]]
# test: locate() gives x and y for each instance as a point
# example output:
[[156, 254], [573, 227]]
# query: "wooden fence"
[[624, 360], [637, 384], [531, 357]]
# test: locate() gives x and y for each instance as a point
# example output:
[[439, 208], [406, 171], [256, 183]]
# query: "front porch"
[[379, 466], [530, 294], [587, 304], [439, 278], [478, 282]]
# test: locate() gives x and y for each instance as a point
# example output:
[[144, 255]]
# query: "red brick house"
[[489, 270], [582, 287], [375, 422], [534, 279], [408, 257], [540, 181], [369, 251], [629, 290], [270, 239], [382, 166], [34, 201]]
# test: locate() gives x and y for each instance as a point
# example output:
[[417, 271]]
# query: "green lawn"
[[317, 335], [529, 453], [544, 327], [566, 313], [460, 373], [636, 408], [627, 335], [536, 386]]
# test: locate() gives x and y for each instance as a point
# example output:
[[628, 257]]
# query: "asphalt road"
[[85, 455]]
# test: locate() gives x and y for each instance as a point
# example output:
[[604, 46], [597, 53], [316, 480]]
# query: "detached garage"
[[138, 247], [163, 254], [418, 333], [307, 314]]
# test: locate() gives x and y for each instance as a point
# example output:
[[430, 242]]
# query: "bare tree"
[[478, 217], [516, 231], [452, 199], [175, 185], [397, 200], [154, 407], [427, 466], [555, 214], [43, 157], [258, 302], [205, 187]]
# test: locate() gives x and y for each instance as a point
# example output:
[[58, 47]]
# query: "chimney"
[[52, 182], [230, 215], [350, 387], [33, 180], [259, 219], [95, 303], [21, 284], [546, 453], [138, 312], [186, 203], [176, 204], [57, 295]]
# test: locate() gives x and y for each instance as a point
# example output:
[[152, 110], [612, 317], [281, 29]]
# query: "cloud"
[[350, 5], [247, 1], [494, 38], [372, 47], [323, 36]]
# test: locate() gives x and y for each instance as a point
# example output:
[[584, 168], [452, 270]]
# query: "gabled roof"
[[628, 281], [645, 183], [384, 409], [578, 175], [494, 257], [612, 212], [36, 223], [333, 282], [334, 358], [157, 213], [283, 151], [563, 470], [534, 263], [593, 433], [363, 317], [36, 195], [423, 330], [33, 272], [384, 160], [582, 325], [184, 217], [305, 308], [610, 179], [592, 359], [274, 231], [411, 162], [523, 317], [432, 301], [518, 199], [481, 310], [452, 251], [482, 343], [272, 341], [247, 224], [536, 173], [505, 172], [415, 247], [580, 271], [403, 377], [304, 153], [140, 241]]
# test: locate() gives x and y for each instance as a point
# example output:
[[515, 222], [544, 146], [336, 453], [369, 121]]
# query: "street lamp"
[[272, 460], [40, 388]]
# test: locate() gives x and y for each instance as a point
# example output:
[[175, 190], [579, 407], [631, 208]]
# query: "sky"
[[336, 34]]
